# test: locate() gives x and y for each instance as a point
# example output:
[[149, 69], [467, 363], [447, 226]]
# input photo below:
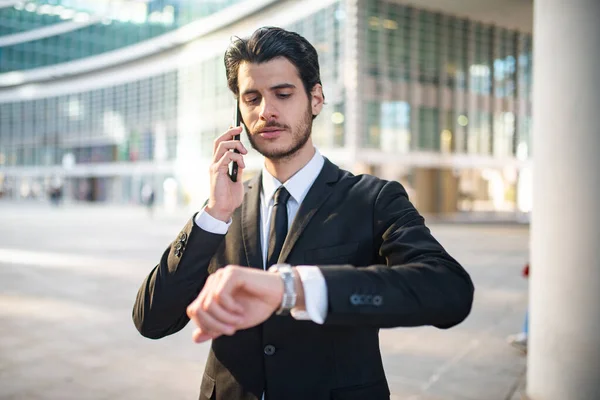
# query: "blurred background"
[[108, 112], [102, 97]]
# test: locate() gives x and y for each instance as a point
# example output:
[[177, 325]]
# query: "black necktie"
[[279, 225]]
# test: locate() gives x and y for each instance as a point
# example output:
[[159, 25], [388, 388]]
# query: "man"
[[148, 198], [519, 340], [363, 258]]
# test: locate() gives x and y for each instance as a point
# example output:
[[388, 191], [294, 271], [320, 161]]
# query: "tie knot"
[[281, 196]]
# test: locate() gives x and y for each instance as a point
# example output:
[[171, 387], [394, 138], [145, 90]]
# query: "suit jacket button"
[[355, 299], [179, 246], [183, 237], [377, 300], [269, 350], [177, 253]]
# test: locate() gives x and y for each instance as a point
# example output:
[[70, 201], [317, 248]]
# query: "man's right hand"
[[226, 195]]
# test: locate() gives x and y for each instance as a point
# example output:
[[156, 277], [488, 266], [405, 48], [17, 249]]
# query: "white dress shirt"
[[313, 282]]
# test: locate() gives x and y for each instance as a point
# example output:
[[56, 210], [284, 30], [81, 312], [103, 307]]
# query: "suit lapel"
[[316, 196], [251, 223]]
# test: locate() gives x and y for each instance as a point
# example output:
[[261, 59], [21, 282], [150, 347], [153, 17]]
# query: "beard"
[[300, 135]]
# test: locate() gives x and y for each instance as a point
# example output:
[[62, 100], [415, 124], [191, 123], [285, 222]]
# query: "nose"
[[267, 110]]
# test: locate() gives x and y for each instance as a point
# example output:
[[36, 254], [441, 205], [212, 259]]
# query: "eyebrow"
[[272, 88]]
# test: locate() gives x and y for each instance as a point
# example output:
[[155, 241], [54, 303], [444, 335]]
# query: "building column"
[[415, 88], [354, 50], [564, 344], [426, 184], [190, 167]]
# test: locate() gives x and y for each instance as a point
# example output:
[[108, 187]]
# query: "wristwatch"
[[289, 289]]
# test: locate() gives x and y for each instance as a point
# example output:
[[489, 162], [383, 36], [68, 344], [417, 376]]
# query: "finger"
[[196, 316], [223, 314], [222, 310], [225, 298], [193, 307], [193, 312], [210, 323], [198, 322], [223, 164], [199, 336], [223, 307], [227, 146], [227, 301], [226, 136]]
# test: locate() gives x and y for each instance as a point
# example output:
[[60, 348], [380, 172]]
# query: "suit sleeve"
[[162, 300], [419, 284]]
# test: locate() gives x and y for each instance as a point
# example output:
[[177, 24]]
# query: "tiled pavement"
[[68, 278]]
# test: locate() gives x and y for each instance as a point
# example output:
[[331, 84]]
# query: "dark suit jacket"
[[382, 268]]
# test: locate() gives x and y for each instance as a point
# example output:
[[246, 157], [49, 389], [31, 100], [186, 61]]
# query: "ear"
[[317, 99]]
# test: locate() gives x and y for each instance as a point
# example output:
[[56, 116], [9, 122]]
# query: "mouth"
[[271, 133]]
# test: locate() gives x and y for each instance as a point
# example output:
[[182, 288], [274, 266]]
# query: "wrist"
[[289, 285], [300, 304], [217, 214]]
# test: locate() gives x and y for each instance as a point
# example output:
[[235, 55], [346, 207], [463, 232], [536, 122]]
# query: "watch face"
[[280, 268], [285, 268], [288, 300]]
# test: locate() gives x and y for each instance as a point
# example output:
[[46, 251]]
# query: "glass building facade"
[[444, 104], [104, 26], [440, 87], [449, 63]]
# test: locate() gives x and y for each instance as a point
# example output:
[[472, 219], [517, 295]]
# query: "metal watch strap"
[[289, 289]]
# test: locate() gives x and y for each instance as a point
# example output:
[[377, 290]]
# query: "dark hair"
[[268, 43]]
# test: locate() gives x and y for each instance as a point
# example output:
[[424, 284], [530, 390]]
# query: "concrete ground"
[[69, 276]]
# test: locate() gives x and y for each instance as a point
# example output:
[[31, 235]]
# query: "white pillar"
[[564, 347], [354, 43]]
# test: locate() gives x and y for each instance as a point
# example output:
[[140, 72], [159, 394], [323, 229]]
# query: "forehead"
[[268, 74]]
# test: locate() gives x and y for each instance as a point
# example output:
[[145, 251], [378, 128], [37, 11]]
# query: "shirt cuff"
[[210, 224], [315, 295]]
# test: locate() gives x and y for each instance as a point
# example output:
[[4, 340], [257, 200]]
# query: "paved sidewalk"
[[69, 275]]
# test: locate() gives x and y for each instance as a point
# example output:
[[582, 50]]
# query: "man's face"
[[275, 107]]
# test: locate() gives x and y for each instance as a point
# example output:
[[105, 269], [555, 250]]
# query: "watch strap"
[[288, 300]]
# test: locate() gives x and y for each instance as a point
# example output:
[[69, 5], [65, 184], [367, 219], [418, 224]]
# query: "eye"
[[251, 101], [283, 95]]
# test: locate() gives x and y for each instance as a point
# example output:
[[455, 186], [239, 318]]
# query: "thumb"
[[198, 336]]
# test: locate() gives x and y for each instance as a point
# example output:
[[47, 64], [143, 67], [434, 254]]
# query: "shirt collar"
[[298, 184]]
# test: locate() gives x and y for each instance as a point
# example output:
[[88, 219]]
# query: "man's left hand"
[[234, 298]]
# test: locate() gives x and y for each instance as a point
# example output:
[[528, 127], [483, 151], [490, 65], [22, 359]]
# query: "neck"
[[283, 169]]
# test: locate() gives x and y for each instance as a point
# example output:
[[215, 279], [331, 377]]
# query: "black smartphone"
[[237, 120]]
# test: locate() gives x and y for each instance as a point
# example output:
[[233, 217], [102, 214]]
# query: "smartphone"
[[237, 120]]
